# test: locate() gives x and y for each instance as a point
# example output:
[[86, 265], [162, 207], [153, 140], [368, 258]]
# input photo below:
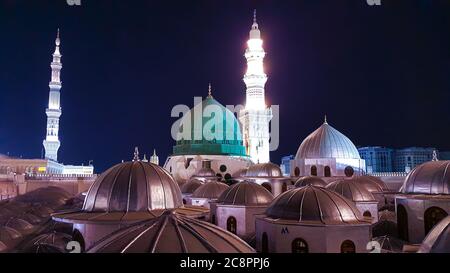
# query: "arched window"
[[367, 214], [299, 246], [402, 223], [265, 243], [284, 187], [433, 216], [232, 225], [297, 171], [77, 236], [213, 219], [313, 170], [184, 201], [348, 247], [267, 186], [349, 171]]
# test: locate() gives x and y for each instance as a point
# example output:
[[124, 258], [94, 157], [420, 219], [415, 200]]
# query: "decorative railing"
[[59, 176], [380, 174]]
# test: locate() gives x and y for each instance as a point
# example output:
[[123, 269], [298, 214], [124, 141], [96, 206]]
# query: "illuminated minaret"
[[256, 117], [51, 142]]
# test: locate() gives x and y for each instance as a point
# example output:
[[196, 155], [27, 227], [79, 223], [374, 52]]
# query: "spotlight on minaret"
[[256, 116], [51, 142]]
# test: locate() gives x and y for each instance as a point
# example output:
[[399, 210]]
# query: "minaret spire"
[[256, 116], [51, 142]]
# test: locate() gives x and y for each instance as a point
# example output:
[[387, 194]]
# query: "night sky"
[[380, 74]]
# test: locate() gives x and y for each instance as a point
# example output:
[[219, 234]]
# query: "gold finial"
[[209, 91]]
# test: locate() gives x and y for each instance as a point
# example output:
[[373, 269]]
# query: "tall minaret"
[[256, 117], [51, 142]]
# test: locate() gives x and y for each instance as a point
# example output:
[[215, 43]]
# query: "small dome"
[[429, 178], [438, 240], [186, 235], [8, 234], [351, 190], [133, 187], [210, 190], [371, 183], [315, 205], [264, 170], [240, 173], [327, 142], [190, 186], [390, 244], [246, 194], [310, 180], [20, 225]]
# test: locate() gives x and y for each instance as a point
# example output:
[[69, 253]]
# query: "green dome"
[[207, 134]]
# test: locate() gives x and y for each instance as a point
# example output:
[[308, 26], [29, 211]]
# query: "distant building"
[[286, 165], [408, 158], [444, 156], [378, 159]]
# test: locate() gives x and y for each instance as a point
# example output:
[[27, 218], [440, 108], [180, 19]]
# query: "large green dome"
[[209, 135]]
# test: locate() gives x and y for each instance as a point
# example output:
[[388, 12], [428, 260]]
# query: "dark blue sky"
[[381, 74]]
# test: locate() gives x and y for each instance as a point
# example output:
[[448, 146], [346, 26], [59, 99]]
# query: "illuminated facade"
[[51, 142], [256, 116]]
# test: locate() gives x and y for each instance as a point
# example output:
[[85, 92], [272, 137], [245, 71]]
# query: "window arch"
[[77, 236], [313, 170], [265, 243], [297, 171], [213, 219], [367, 214], [433, 216], [402, 223], [327, 171], [348, 247], [299, 246], [232, 225], [284, 187]]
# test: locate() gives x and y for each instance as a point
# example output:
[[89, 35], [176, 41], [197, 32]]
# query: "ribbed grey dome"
[[327, 142], [438, 240], [429, 178], [310, 180], [370, 183], [133, 187], [246, 194], [315, 205], [172, 233], [264, 170], [190, 186], [351, 190], [210, 190]]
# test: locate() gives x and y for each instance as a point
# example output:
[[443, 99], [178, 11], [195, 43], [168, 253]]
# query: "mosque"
[[219, 193]]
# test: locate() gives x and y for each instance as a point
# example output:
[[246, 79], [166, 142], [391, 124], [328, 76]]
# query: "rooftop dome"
[[310, 180], [210, 190], [131, 187], [187, 236], [264, 170], [225, 139], [246, 194], [372, 184], [438, 240], [315, 205], [190, 186], [351, 190], [8, 234], [327, 142], [429, 178]]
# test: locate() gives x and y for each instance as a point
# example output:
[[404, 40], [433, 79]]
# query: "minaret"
[[51, 142], [256, 117], [154, 158]]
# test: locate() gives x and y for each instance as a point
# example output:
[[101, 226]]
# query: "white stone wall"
[[245, 217]]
